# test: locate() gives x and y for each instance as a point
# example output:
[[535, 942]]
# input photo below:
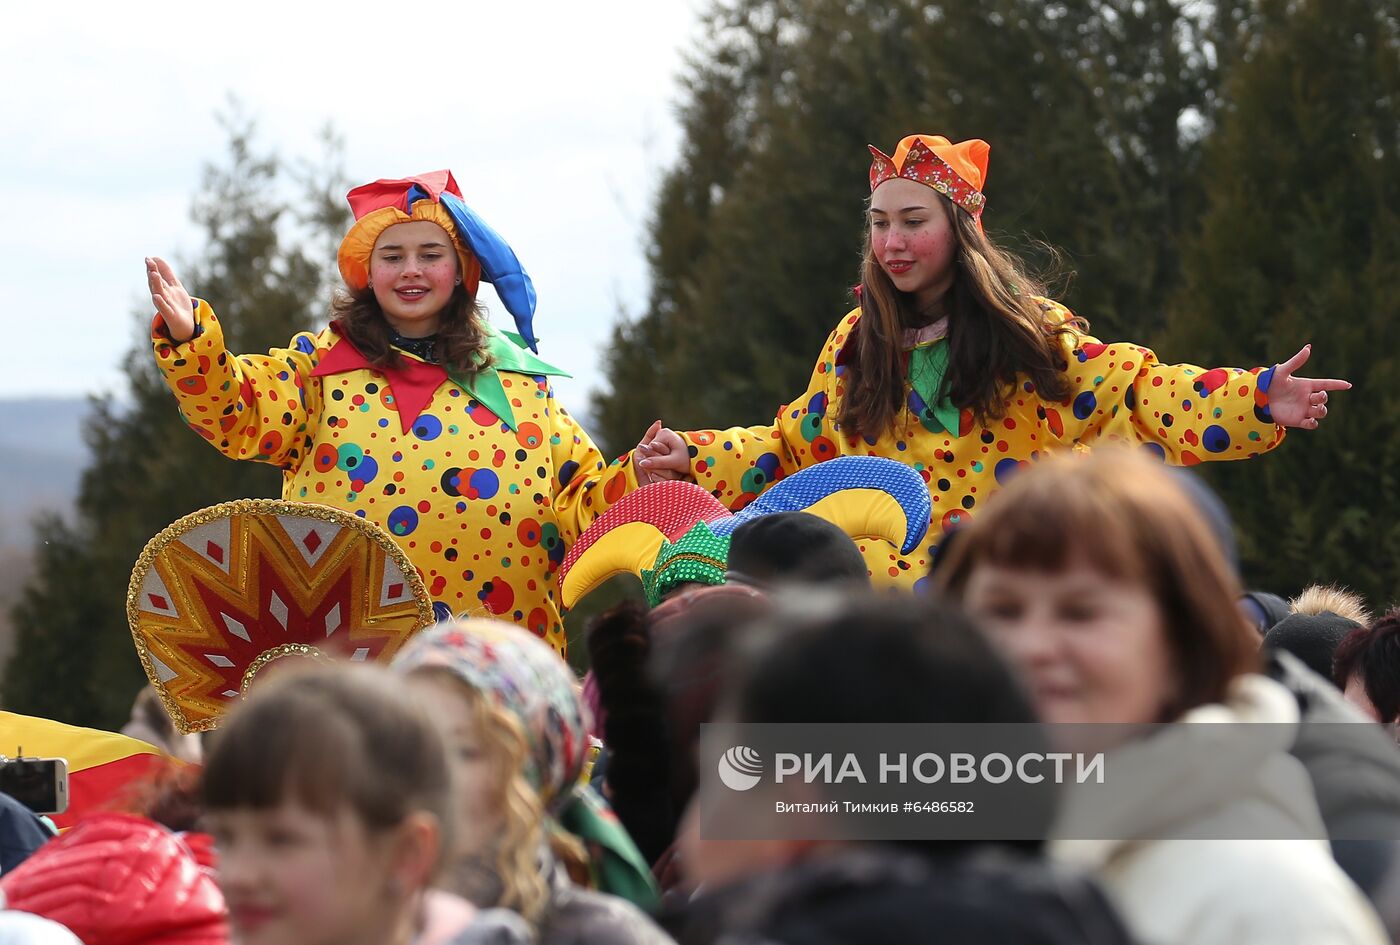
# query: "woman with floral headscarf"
[[531, 837], [955, 363], [410, 409]]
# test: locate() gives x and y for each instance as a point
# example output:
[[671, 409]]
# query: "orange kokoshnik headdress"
[[957, 171], [226, 591]]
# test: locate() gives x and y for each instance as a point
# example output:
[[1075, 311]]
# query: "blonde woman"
[[531, 839]]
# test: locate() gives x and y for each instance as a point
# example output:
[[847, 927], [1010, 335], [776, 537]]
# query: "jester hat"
[[676, 532], [521, 674], [225, 591], [957, 171], [435, 197]]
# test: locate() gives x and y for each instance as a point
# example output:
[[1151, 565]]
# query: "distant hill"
[[42, 455]]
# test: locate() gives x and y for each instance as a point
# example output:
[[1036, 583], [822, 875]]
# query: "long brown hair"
[[997, 330], [461, 339], [1129, 519]]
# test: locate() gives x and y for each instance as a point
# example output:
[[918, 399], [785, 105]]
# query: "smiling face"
[[1092, 648], [292, 876], [912, 239], [413, 271]]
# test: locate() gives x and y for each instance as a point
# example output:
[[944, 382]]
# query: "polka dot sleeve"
[[259, 407], [585, 484], [1187, 414]]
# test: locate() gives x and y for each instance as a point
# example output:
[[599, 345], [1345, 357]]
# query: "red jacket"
[[118, 879]]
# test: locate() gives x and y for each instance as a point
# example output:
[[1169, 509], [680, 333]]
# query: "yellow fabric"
[[627, 549], [358, 245], [522, 497], [865, 514], [82, 748], [1135, 399]]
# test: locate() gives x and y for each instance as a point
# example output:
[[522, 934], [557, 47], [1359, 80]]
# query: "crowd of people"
[[469, 787], [469, 792]]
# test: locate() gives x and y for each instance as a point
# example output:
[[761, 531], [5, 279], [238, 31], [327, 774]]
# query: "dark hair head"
[[1313, 638], [1126, 516], [795, 548], [1262, 609], [461, 339], [1372, 655], [997, 330], [875, 660], [694, 642], [871, 658], [329, 738]]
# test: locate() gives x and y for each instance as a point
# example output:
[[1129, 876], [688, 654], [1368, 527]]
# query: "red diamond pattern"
[[215, 552], [395, 590], [312, 541], [160, 602]]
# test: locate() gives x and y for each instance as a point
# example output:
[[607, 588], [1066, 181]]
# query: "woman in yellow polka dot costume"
[[410, 409], [956, 364]]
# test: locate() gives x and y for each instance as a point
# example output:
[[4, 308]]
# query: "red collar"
[[412, 384]]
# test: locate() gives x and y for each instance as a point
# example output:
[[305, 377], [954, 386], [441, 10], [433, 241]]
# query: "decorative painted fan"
[[227, 590]]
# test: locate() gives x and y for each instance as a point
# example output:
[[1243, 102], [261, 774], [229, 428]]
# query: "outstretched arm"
[[257, 407], [1300, 401]]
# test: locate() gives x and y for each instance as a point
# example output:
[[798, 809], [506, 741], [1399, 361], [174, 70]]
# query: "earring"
[[459, 281]]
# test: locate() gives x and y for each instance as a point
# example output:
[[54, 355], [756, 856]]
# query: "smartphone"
[[41, 784]]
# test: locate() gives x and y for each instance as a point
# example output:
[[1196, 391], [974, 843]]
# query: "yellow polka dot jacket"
[[483, 482], [1119, 392]]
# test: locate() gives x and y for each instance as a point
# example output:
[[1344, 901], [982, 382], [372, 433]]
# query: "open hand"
[[1300, 401], [660, 455], [172, 302]]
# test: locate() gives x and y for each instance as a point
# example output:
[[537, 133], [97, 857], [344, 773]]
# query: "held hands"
[[1300, 401], [172, 302], [660, 455]]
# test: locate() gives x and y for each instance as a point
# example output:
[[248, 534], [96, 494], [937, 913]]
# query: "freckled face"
[[414, 272], [913, 239]]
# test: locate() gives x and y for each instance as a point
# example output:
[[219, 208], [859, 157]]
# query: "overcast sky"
[[557, 119]]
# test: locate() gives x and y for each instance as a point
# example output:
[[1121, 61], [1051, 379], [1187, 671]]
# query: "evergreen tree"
[[757, 231], [1299, 243], [264, 269]]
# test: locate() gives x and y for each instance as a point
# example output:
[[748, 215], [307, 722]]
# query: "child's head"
[[328, 794], [412, 262], [517, 738], [419, 280]]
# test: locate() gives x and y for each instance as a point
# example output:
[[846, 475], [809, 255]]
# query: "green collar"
[[928, 365], [507, 352]]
